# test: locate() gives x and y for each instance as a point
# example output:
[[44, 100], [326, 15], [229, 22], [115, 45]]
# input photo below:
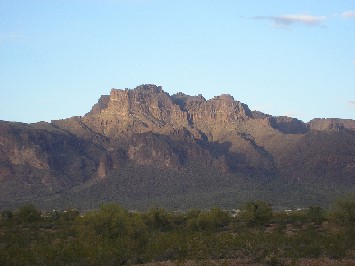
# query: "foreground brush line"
[[112, 235], [234, 262]]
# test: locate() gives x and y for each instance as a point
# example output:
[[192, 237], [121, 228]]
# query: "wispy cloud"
[[352, 103], [288, 20], [354, 61], [348, 14]]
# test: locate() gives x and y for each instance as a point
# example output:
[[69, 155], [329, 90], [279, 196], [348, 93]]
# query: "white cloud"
[[348, 14], [288, 20], [352, 103], [354, 61]]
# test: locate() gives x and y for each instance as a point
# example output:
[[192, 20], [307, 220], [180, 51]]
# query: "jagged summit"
[[148, 93], [147, 108]]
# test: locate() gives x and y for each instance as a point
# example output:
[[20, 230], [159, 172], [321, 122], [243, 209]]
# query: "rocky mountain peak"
[[147, 108], [151, 88], [224, 97]]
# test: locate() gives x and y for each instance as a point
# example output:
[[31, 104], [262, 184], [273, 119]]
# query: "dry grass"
[[231, 262]]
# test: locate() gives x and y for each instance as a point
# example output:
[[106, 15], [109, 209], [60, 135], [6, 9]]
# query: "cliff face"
[[148, 127], [222, 121], [331, 124], [50, 156], [149, 109]]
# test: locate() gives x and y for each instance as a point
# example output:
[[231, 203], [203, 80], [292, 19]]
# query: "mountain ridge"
[[147, 127]]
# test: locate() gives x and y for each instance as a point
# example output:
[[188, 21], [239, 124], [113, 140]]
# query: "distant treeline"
[[112, 235]]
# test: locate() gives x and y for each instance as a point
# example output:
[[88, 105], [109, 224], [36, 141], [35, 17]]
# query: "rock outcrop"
[[331, 124]]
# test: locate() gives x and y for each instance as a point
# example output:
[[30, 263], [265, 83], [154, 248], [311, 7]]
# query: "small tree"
[[6, 215], [256, 213], [28, 214], [316, 214], [158, 219], [342, 211]]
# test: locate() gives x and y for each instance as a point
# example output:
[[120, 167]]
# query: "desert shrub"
[[213, 219], [316, 214], [27, 214], [342, 212], [112, 235], [256, 213], [158, 219]]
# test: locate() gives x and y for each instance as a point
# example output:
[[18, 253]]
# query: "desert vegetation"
[[112, 235]]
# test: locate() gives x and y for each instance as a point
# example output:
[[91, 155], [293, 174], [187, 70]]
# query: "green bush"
[[342, 212], [316, 214], [158, 219], [112, 235], [256, 213], [27, 214], [213, 219]]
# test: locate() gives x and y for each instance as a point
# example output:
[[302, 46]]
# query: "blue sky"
[[294, 58]]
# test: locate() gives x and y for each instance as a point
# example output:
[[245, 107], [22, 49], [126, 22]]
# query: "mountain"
[[143, 147]]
